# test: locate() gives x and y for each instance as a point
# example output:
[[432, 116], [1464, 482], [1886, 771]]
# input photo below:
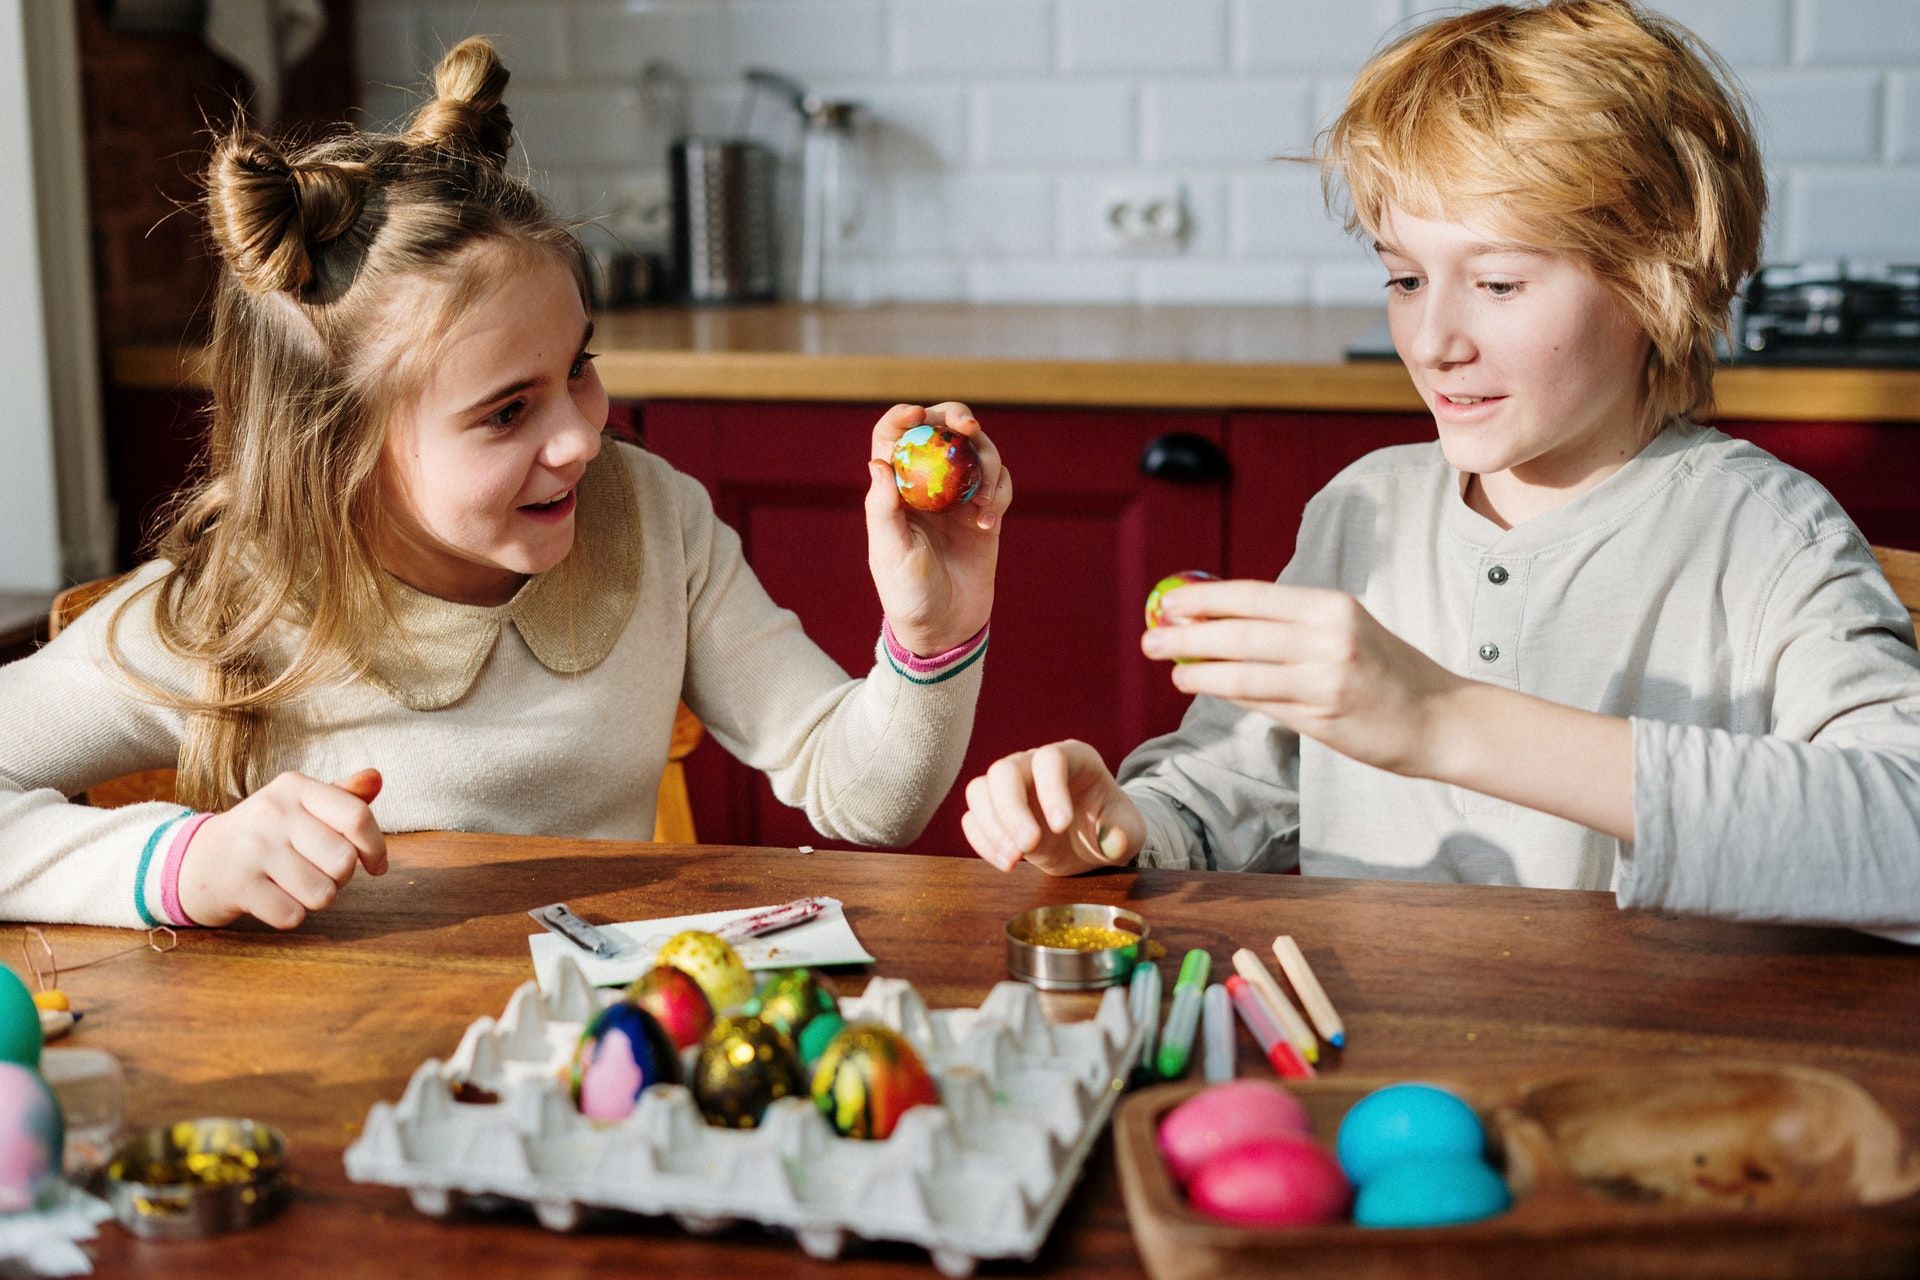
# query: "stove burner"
[[1831, 313]]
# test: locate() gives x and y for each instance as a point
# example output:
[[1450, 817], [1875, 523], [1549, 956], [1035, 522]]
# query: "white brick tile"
[[1041, 123], [1236, 122], [1084, 198], [1747, 33], [939, 39], [1294, 35], [1348, 286], [1143, 35], [809, 39], [974, 215], [1050, 280], [1223, 281], [1854, 213], [1903, 133], [615, 41], [909, 128], [899, 280], [389, 55], [1280, 213], [1817, 115], [578, 127], [532, 39], [1873, 31]]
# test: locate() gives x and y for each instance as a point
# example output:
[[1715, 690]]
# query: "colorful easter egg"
[[1283, 1181], [1222, 1117], [1432, 1191], [745, 1063], [1402, 1120], [622, 1052], [868, 1078], [712, 963], [32, 1136], [936, 469], [19, 1021], [1155, 616], [816, 1036], [791, 999], [676, 1002]]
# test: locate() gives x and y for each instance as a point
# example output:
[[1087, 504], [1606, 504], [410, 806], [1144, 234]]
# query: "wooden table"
[[308, 1030]]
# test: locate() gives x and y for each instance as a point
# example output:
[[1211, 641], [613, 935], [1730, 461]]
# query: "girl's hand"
[[1086, 821], [934, 571], [285, 850], [1316, 661]]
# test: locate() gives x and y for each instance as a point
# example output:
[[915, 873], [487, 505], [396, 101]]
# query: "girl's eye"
[[504, 416], [580, 364], [1500, 288], [1403, 284]]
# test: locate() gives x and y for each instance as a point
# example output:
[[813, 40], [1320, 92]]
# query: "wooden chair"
[[673, 811], [1903, 571]]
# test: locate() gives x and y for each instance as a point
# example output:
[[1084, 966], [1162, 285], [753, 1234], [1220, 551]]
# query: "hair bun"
[[268, 213], [467, 112]]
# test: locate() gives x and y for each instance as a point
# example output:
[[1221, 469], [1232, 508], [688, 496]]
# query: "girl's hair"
[[1592, 128], [318, 338]]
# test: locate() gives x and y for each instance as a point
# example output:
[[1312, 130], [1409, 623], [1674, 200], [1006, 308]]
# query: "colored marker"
[[1279, 1008], [1300, 974], [1216, 1032], [1281, 1055], [1143, 1001], [1176, 1042]]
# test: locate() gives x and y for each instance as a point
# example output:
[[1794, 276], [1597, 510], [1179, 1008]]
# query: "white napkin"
[[825, 939]]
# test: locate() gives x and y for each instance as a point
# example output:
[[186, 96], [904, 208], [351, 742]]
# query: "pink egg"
[[1224, 1116], [1272, 1182]]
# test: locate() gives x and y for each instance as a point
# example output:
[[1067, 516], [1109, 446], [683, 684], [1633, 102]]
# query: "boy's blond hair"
[[1592, 128]]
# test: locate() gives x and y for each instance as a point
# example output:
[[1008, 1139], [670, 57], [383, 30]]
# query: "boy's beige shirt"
[[550, 714], [1715, 596]]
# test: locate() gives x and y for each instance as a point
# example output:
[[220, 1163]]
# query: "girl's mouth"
[[553, 509]]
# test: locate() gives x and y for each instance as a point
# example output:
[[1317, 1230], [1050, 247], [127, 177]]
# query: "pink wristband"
[[906, 658], [170, 871]]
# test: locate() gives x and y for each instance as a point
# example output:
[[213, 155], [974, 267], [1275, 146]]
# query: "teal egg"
[[1432, 1191], [19, 1022], [1402, 1120]]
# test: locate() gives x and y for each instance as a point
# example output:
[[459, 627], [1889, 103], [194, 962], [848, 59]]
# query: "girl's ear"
[[467, 113], [268, 213]]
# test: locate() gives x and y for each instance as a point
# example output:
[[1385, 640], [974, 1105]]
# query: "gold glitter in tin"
[[1082, 937]]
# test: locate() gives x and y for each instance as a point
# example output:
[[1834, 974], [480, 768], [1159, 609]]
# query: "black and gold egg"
[[744, 1064]]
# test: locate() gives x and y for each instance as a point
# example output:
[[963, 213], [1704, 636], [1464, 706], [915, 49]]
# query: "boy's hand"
[[1086, 820], [285, 850], [934, 571], [1316, 661]]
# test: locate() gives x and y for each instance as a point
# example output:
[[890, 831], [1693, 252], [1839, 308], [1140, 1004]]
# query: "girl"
[[414, 550], [1581, 642]]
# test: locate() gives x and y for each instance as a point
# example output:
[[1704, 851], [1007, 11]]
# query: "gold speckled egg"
[[712, 963], [744, 1064]]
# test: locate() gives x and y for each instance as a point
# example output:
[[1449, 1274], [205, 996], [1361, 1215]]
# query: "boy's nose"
[[1441, 341]]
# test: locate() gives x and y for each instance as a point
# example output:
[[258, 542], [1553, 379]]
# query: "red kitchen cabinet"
[[1088, 534], [1872, 469]]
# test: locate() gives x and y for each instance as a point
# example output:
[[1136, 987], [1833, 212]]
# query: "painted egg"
[[1402, 1120], [1224, 1116], [622, 1052], [868, 1078], [32, 1136], [676, 1002], [1432, 1191], [712, 963], [1155, 615], [935, 469], [744, 1064], [791, 999], [816, 1036], [1288, 1181], [19, 1021]]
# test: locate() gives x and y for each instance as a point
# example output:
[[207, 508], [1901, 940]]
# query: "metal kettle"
[[832, 171]]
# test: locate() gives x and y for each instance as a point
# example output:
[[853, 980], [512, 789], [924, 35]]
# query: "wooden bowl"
[[1698, 1170]]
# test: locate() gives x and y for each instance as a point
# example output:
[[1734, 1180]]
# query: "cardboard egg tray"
[[982, 1175]]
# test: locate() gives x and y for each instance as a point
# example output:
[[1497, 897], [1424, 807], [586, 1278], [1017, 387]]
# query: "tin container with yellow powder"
[[1077, 947], [198, 1178]]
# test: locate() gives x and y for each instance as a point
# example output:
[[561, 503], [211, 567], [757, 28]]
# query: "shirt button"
[[1496, 575], [1489, 652]]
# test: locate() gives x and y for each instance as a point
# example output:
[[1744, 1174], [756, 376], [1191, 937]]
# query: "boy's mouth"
[[1468, 400]]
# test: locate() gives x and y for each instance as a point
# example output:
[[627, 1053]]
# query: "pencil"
[[1300, 974], [1275, 1001]]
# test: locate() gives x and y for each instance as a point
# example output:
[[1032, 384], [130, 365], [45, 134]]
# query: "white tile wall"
[[1001, 128]]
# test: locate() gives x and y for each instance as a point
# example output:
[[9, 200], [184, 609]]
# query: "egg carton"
[[982, 1175], [46, 1241]]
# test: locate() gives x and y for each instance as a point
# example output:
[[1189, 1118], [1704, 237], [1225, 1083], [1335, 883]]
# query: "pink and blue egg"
[[32, 1136], [622, 1053]]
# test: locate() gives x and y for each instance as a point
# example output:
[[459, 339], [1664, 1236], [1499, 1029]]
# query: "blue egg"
[[1432, 1191], [1402, 1120]]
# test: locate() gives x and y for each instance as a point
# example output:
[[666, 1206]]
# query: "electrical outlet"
[[1143, 218]]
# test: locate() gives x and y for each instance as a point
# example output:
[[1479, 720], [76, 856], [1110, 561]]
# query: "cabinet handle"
[[1184, 458]]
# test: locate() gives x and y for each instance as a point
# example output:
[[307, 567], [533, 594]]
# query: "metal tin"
[[198, 1178], [1073, 968]]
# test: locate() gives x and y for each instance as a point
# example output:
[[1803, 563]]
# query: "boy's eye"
[[1500, 288], [1403, 284], [580, 364], [506, 413]]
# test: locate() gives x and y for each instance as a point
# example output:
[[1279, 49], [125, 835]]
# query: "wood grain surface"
[[307, 1030]]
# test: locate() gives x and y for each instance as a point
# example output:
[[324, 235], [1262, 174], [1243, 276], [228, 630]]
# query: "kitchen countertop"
[[1211, 357]]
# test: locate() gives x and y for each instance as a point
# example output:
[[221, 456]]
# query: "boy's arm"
[[1220, 792]]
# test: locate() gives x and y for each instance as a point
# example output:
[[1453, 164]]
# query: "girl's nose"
[[576, 441]]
